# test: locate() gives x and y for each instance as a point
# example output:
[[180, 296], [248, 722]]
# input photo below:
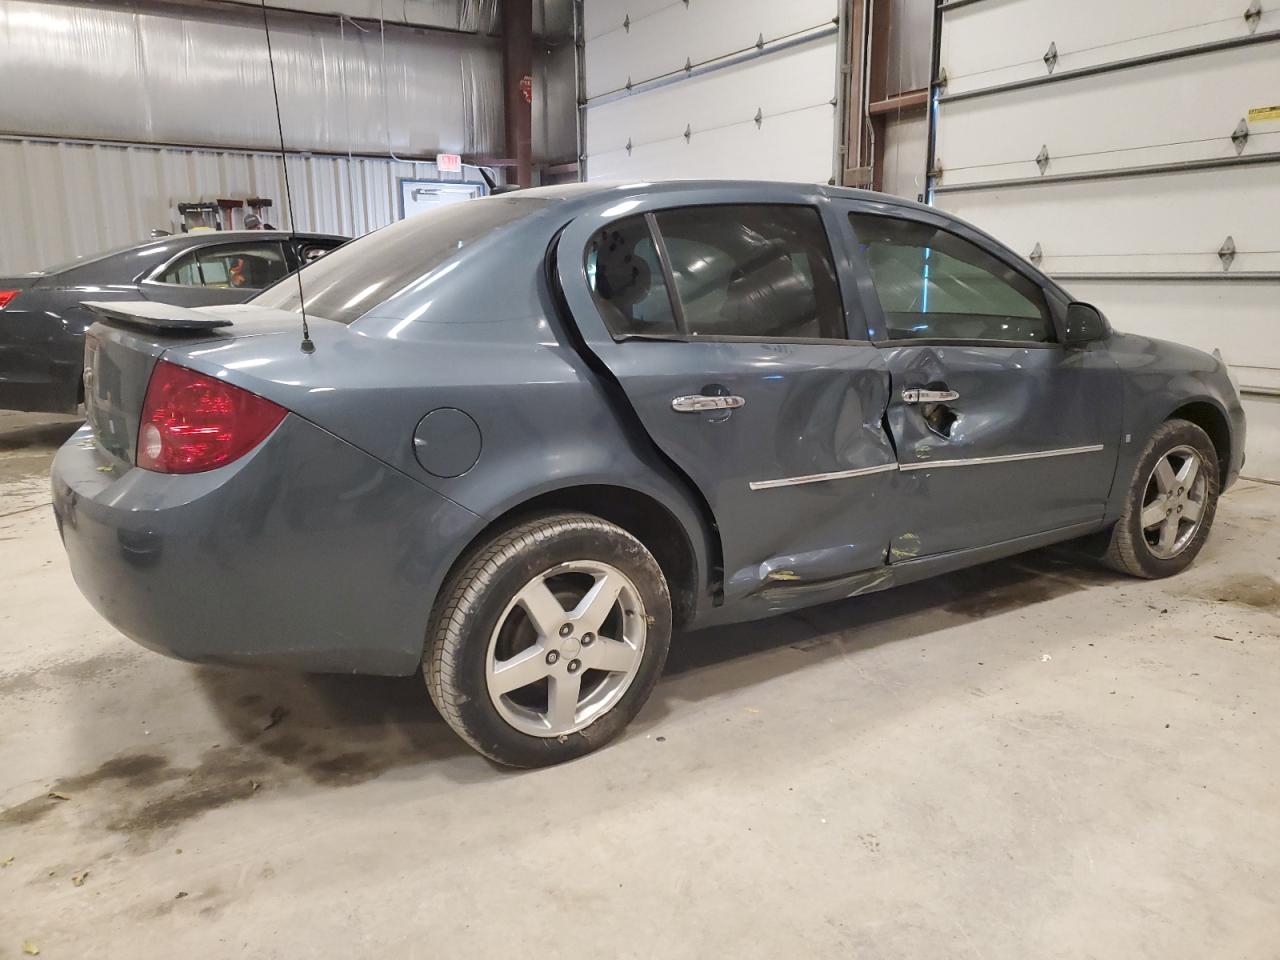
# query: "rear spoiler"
[[156, 317]]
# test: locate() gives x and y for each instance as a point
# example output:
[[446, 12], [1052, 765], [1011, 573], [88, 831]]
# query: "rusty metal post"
[[517, 85]]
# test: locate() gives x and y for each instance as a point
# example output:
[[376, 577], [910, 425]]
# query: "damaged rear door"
[[728, 327]]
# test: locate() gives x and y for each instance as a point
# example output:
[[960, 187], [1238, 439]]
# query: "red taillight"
[[6, 296], [192, 422]]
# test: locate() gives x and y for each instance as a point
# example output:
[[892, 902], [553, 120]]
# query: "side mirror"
[[1085, 324]]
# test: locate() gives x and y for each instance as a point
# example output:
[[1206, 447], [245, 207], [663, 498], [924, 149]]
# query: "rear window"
[[349, 282]]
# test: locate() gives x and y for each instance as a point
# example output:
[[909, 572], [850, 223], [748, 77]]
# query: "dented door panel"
[[1028, 445], [800, 477], [811, 411]]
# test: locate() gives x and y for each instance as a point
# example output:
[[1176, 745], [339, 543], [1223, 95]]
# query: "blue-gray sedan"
[[524, 438]]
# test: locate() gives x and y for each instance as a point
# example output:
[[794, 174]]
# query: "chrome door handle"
[[699, 403], [929, 396]]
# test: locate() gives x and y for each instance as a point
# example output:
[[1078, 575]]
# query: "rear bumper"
[[306, 553]]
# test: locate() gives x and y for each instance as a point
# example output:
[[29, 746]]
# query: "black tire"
[[1128, 550], [455, 660]]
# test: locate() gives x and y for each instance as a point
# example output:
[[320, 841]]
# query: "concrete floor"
[[1031, 759]]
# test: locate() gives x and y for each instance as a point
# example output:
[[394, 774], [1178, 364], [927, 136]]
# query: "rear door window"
[[626, 277], [753, 270], [749, 270]]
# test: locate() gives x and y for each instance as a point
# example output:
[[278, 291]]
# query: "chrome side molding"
[[821, 477], [1005, 458], [925, 465]]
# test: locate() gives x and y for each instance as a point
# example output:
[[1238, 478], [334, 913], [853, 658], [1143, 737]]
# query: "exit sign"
[[448, 163]]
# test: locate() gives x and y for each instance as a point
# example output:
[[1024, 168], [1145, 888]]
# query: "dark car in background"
[[42, 321]]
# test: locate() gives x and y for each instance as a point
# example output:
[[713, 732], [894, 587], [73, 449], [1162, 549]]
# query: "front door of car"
[[1001, 431], [725, 326], [218, 273]]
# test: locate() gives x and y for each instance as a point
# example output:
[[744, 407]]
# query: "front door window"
[[933, 285]]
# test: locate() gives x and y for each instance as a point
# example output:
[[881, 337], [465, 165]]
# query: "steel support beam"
[[900, 103], [580, 83], [855, 134], [935, 72], [517, 77]]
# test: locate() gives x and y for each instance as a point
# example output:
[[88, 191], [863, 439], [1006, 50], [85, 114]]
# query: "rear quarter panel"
[[306, 553]]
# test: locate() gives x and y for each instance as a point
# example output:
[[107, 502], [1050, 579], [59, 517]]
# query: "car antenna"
[[307, 345]]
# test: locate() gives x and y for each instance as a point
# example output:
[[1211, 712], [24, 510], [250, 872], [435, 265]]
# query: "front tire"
[[548, 640], [1170, 505]]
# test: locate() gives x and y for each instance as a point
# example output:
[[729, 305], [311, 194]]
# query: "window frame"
[[1053, 301], [848, 302]]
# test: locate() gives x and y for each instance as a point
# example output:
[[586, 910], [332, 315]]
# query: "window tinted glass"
[[183, 272], [753, 271], [241, 265], [249, 265], [358, 276], [934, 285], [626, 278]]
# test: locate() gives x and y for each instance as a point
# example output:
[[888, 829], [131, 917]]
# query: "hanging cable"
[[307, 345]]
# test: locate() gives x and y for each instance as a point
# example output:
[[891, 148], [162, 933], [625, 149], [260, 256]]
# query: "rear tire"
[[548, 639], [1170, 504]]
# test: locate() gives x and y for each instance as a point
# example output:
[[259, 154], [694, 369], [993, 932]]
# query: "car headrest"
[[622, 277]]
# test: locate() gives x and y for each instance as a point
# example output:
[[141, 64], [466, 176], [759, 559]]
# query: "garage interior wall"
[[1136, 166], [716, 88], [903, 144], [65, 199], [114, 112]]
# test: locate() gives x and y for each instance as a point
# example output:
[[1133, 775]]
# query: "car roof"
[[102, 265], [596, 188], [220, 236]]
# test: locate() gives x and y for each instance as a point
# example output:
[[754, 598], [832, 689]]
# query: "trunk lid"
[[122, 348]]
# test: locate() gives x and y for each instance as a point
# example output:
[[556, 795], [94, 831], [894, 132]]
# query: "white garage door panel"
[[1178, 110], [1242, 319], [793, 148], [604, 16], [660, 42], [792, 89], [1172, 223], [987, 44]]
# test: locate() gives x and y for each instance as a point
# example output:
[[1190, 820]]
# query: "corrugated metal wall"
[[60, 200], [199, 75], [112, 113], [468, 16]]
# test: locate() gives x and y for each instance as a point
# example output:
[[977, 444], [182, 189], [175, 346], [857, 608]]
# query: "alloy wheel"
[[566, 648], [1173, 502]]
